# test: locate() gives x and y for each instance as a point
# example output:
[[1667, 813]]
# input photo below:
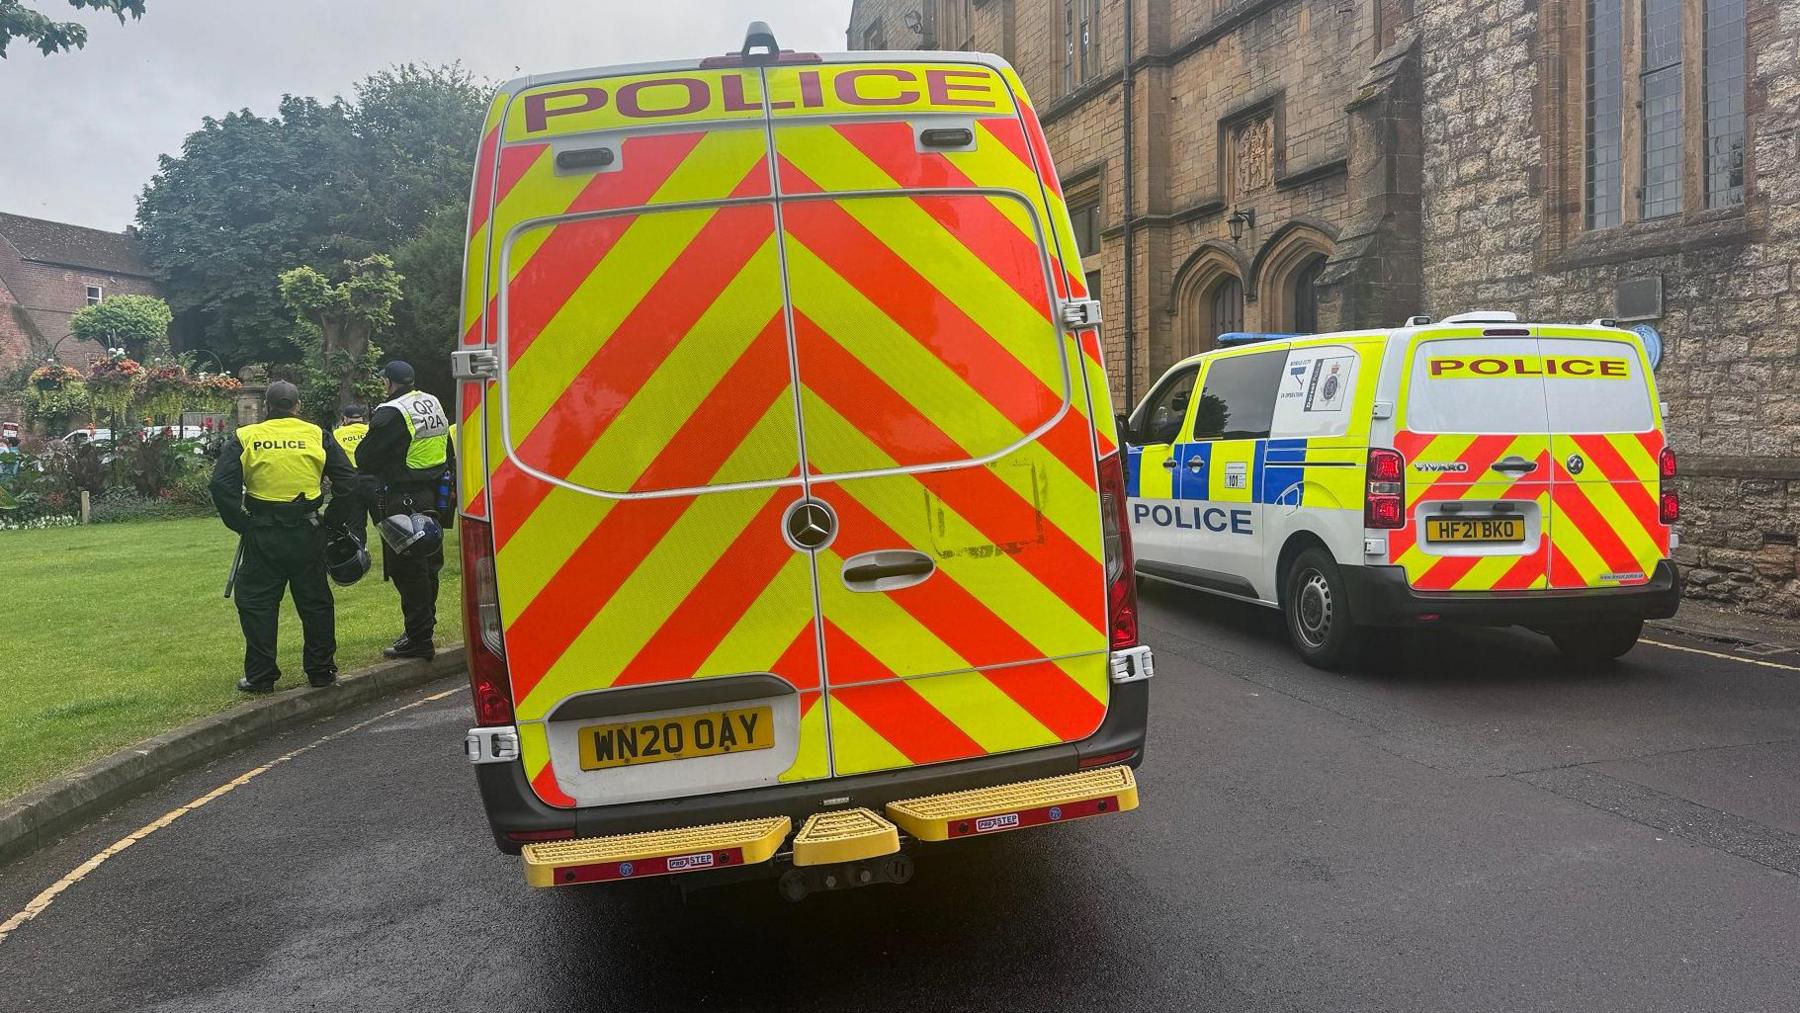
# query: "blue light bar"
[[1248, 337]]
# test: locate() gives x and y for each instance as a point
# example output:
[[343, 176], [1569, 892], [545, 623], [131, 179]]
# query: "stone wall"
[[1497, 235], [885, 24]]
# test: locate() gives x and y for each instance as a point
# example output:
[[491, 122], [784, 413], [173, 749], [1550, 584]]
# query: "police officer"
[[407, 455], [268, 487], [351, 429]]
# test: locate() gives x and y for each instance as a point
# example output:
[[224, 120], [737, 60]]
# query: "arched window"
[[1225, 308], [1305, 296]]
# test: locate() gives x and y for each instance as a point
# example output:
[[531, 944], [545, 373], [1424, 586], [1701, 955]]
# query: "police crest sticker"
[[1327, 390]]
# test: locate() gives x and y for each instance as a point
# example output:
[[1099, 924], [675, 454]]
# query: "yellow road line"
[[42, 901], [1727, 657]]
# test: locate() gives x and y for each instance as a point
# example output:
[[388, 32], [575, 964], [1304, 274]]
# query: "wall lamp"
[[1238, 221]]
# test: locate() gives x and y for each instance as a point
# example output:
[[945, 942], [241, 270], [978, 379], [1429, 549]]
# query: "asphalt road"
[[1465, 825]]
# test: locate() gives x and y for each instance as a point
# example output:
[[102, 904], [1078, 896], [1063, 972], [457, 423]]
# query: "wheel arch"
[[1297, 542]]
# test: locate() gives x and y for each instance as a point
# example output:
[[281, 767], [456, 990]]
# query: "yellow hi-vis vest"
[[283, 459], [429, 427], [348, 436]]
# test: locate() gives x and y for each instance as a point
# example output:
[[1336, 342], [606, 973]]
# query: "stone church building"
[[1301, 165]]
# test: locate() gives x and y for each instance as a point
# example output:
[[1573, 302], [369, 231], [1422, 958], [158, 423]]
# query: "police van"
[[790, 541], [1475, 470]]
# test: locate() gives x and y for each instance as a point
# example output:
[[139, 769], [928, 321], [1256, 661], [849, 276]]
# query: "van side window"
[[1238, 400], [1159, 418]]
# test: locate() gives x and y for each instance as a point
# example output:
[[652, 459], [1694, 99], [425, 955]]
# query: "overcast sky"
[[80, 131]]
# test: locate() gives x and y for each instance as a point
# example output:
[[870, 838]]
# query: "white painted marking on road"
[[42, 901], [1725, 657]]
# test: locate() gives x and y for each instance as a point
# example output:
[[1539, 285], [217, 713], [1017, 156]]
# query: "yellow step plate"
[[847, 835], [659, 853], [1013, 806]]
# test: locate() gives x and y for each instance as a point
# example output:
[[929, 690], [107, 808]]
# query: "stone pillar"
[[1374, 278]]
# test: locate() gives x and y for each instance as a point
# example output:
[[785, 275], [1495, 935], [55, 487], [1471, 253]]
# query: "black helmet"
[[415, 532], [345, 558]]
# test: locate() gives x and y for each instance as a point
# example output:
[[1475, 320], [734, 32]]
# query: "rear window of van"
[[1528, 385]]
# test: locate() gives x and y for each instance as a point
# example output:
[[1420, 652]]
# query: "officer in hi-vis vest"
[[268, 488], [408, 454], [351, 430]]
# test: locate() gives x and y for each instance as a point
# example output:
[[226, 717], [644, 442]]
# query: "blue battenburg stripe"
[[1134, 459], [1194, 484], [1275, 483]]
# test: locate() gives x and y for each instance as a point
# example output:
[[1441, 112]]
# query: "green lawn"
[[114, 633]]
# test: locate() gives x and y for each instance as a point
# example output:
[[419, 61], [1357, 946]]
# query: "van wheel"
[[1597, 642], [1317, 613]]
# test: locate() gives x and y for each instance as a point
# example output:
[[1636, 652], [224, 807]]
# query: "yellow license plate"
[[629, 743], [1475, 529]]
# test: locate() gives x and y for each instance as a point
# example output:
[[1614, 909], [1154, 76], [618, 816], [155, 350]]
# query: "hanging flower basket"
[[54, 376], [112, 382], [165, 389], [214, 392]]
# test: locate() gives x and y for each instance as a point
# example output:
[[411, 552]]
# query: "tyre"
[[1596, 642], [1317, 612]]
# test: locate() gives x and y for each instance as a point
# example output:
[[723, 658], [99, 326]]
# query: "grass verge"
[[115, 633]]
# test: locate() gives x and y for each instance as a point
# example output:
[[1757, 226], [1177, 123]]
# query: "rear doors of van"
[[785, 402], [1531, 461]]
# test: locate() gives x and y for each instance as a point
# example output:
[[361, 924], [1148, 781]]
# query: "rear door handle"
[[1169, 463], [1515, 465], [887, 570]]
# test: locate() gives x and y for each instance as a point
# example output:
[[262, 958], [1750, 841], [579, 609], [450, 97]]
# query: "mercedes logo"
[[809, 525], [1576, 464]]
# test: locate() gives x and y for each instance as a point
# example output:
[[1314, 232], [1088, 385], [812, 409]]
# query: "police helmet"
[[414, 532], [345, 558]]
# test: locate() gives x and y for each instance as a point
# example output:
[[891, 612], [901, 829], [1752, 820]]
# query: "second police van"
[[1477, 470]]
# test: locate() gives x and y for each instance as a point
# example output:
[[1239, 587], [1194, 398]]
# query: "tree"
[[137, 323], [346, 313], [249, 197], [426, 323], [18, 21]]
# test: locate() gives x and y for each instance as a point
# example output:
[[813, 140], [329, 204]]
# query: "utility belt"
[[293, 513]]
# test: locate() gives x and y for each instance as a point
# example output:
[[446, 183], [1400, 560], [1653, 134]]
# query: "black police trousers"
[[414, 575], [285, 556]]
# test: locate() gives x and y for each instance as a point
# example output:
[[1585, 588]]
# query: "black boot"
[[406, 647], [259, 688]]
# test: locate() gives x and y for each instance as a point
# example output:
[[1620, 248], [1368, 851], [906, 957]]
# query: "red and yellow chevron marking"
[[1602, 526], [1427, 571], [647, 352], [1607, 532]]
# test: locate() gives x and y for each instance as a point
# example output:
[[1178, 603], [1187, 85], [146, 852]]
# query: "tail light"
[[1384, 500], [1669, 502], [481, 626], [1121, 585]]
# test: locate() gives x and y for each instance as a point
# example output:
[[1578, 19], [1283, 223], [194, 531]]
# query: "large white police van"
[[1478, 470]]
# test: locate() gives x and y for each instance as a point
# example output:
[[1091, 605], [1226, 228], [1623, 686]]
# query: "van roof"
[[1447, 327], [518, 84]]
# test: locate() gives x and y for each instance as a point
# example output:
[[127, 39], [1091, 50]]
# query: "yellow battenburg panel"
[[1231, 459], [1154, 480]]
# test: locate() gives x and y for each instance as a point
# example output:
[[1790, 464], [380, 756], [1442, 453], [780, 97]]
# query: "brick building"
[[48, 270], [1314, 164]]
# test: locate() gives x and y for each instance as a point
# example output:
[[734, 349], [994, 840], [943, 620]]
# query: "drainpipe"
[[1130, 213]]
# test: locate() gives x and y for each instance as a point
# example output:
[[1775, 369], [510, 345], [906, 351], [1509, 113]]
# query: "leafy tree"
[[319, 183], [136, 323], [426, 322], [18, 21], [346, 313]]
